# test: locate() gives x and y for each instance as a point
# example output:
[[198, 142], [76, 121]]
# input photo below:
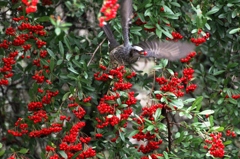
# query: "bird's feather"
[[167, 49], [126, 14], [112, 41]]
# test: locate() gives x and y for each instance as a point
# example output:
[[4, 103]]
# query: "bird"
[[127, 54]]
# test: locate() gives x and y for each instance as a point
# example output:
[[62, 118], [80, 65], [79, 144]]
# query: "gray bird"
[[128, 54]]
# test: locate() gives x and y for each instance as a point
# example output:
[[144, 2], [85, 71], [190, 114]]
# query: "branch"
[[96, 51], [169, 132]]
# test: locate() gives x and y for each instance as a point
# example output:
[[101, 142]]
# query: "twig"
[[96, 51], [169, 132]]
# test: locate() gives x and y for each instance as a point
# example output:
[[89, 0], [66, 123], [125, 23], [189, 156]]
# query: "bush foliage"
[[61, 99]]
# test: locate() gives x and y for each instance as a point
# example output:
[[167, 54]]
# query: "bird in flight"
[[127, 54]]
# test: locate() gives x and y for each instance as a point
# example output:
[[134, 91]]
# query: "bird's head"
[[137, 51]]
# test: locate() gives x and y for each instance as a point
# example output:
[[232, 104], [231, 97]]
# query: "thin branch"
[[96, 51], [169, 132]]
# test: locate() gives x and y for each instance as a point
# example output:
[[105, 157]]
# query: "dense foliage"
[[61, 99]]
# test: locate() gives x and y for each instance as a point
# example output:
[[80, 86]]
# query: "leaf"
[[167, 34], [121, 136], [23, 151], [159, 32], [165, 154], [197, 104], [63, 154], [215, 9], [57, 31], [51, 53], [150, 127], [61, 49], [170, 71], [177, 102], [59, 62], [66, 96], [206, 112], [177, 135], [157, 114], [73, 70], [68, 56], [2, 152], [43, 19], [67, 43], [218, 72], [189, 100], [228, 142], [52, 64], [233, 31]]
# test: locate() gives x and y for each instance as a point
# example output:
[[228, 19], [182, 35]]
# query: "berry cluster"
[[109, 10], [152, 142], [114, 109], [46, 2], [201, 38], [88, 99], [188, 57], [153, 156], [216, 147], [6, 70], [139, 22], [176, 36], [230, 133], [175, 84], [236, 96], [72, 144], [31, 6]]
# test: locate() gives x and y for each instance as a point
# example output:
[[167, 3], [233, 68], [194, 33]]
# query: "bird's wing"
[[126, 14], [167, 49], [112, 41]]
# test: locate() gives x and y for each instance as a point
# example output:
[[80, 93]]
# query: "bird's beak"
[[143, 53]]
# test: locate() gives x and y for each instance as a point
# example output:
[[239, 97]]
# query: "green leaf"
[[1, 145], [52, 64], [23, 151], [159, 32], [43, 19], [121, 136], [211, 120], [63, 154], [2, 152], [167, 34], [51, 53], [77, 63], [215, 9], [165, 154], [218, 72], [175, 4], [233, 31], [206, 112], [150, 127], [197, 104], [170, 71], [177, 102], [73, 70], [66, 96], [189, 100], [157, 114], [68, 56], [59, 62], [228, 142], [177, 135], [61, 49], [57, 31], [67, 43]]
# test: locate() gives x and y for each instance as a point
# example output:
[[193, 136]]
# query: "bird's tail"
[[112, 41]]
